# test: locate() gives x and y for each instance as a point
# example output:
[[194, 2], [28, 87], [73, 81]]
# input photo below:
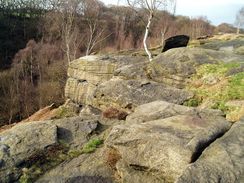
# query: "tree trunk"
[[146, 36], [68, 52], [238, 28]]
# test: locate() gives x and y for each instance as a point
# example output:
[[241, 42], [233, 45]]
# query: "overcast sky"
[[217, 11]]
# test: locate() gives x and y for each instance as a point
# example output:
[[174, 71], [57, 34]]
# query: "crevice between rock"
[[202, 145]]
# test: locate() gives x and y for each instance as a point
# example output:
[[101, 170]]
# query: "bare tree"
[[240, 19], [96, 33], [69, 12], [171, 7], [151, 6]]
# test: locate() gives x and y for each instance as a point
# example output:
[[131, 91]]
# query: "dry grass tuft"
[[113, 113]]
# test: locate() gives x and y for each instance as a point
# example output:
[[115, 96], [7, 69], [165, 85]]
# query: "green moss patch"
[[216, 84], [53, 156], [91, 146], [64, 112]]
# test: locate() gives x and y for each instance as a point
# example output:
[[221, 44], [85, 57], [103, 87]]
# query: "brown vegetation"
[[113, 113], [112, 157]]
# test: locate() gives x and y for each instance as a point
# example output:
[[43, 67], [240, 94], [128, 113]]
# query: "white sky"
[[217, 11]]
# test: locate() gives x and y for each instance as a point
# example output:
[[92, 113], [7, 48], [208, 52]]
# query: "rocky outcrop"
[[159, 142], [23, 144], [116, 81], [162, 143], [137, 130], [176, 66], [222, 161]]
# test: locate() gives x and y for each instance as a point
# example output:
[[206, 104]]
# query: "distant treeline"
[[38, 39]]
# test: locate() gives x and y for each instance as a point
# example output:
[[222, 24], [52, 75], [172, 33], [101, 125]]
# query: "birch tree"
[[171, 6], [240, 19], [151, 7], [96, 32]]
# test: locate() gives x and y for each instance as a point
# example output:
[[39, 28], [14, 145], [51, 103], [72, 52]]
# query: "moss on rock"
[[213, 86]]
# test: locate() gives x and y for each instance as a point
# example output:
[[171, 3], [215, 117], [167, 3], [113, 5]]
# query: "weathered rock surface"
[[76, 131], [128, 94], [26, 140], [20, 143], [218, 44], [119, 81], [176, 66], [163, 147], [222, 161], [85, 168], [94, 75], [161, 110], [86, 73]]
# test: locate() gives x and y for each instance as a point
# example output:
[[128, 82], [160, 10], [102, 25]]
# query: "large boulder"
[[76, 131], [20, 143], [119, 81], [23, 144], [222, 161], [128, 94], [86, 73], [176, 66], [161, 109], [163, 148], [85, 168]]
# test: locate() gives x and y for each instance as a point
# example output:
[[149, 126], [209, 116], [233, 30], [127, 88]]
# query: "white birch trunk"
[[146, 36], [238, 28]]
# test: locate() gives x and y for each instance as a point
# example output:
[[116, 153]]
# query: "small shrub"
[[91, 146], [112, 157], [64, 112], [113, 113], [194, 102], [236, 86], [74, 153], [25, 178], [221, 106]]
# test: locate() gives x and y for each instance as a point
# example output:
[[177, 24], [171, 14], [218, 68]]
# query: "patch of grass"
[[53, 156], [240, 50], [236, 86], [25, 178], [221, 106], [42, 162], [74, 153], [216, 69], [64, 112], [91, 146], [194, 102], [223, 89]]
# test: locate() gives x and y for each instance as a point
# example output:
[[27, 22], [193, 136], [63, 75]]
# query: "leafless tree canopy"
[[240, 19]]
